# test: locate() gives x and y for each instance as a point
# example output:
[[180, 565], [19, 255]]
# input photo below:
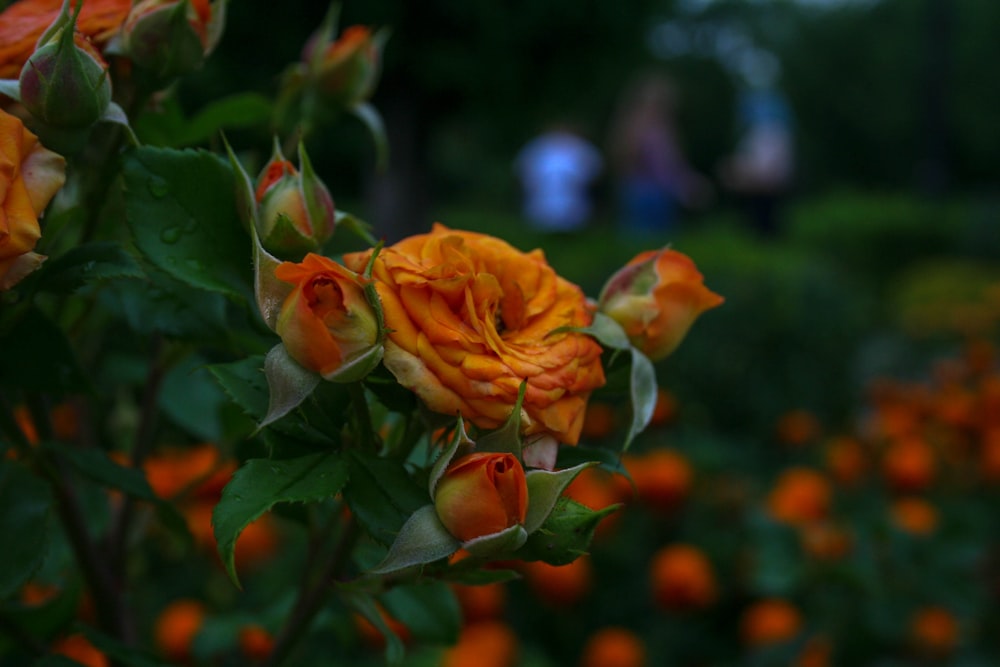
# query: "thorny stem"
[[118, 539], [312, 595]]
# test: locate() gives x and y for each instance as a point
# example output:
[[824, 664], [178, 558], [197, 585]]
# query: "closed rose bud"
[[326, 322], [169, 38], [656, 298], [345, 71], [295, 209], [481, 494], [65, 82]]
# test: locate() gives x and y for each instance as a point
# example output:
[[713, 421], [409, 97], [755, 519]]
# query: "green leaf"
[[429, 610], [235, 111], [96, 465], [181, 208], [193, 400], [245, 383], [288, 383], [37, 356], [24, 515], [170, 127], [566, 533], [608, 332], [544, 489], [365, 605], [167, 306], [85, 264], [507, 438], [381, 494], [497, 545], [260, 483], [422, 539]]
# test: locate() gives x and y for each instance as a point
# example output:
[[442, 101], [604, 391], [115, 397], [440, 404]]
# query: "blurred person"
[[760, 170], [654, 177], [557, 169]]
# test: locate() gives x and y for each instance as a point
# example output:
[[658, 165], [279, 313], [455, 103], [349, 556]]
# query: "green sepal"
[[355, 225], [310, 185], [497, 544], [11, 88], [507, 438], [246, 204], [642, 380], [422, 539], [288, 382], [113, 113], [285, 237], [566, 533], [372, 120], [357, 368], [544, 489], [460, 439]]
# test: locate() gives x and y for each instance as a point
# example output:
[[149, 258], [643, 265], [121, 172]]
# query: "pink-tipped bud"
[[295, 209]]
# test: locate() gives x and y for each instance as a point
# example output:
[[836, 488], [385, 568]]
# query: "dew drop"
[[158, 186], [170, 235]]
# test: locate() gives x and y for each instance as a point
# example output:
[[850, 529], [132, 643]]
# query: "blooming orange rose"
[[481, 494], [30, 175], [326, 322], [656, 298], [470, 318], [23, 23]]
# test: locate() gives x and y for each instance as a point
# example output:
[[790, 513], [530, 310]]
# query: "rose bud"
[[170, 38], [481, 494], [295, 209], [345, 71], [656, 298], [65, 82], [326, 323]]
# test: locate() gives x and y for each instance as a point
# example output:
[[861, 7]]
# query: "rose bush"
[[30, 175], [470, 318]]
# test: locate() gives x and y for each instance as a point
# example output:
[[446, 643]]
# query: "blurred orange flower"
[[176, 627], [23, 23], [914, 515], [559, 585], [934, 629], [909, 465], [662, 477], [681, 577], [770, 621], [799, 496], [483, 644], [78, 648], [797, 428], [613, 647], [846, 460]]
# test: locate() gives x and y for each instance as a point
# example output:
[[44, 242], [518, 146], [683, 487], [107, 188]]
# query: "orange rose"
[[30, 175], [23, 23], [481, 494], [656, 298], [470, 318], [326, 323]]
